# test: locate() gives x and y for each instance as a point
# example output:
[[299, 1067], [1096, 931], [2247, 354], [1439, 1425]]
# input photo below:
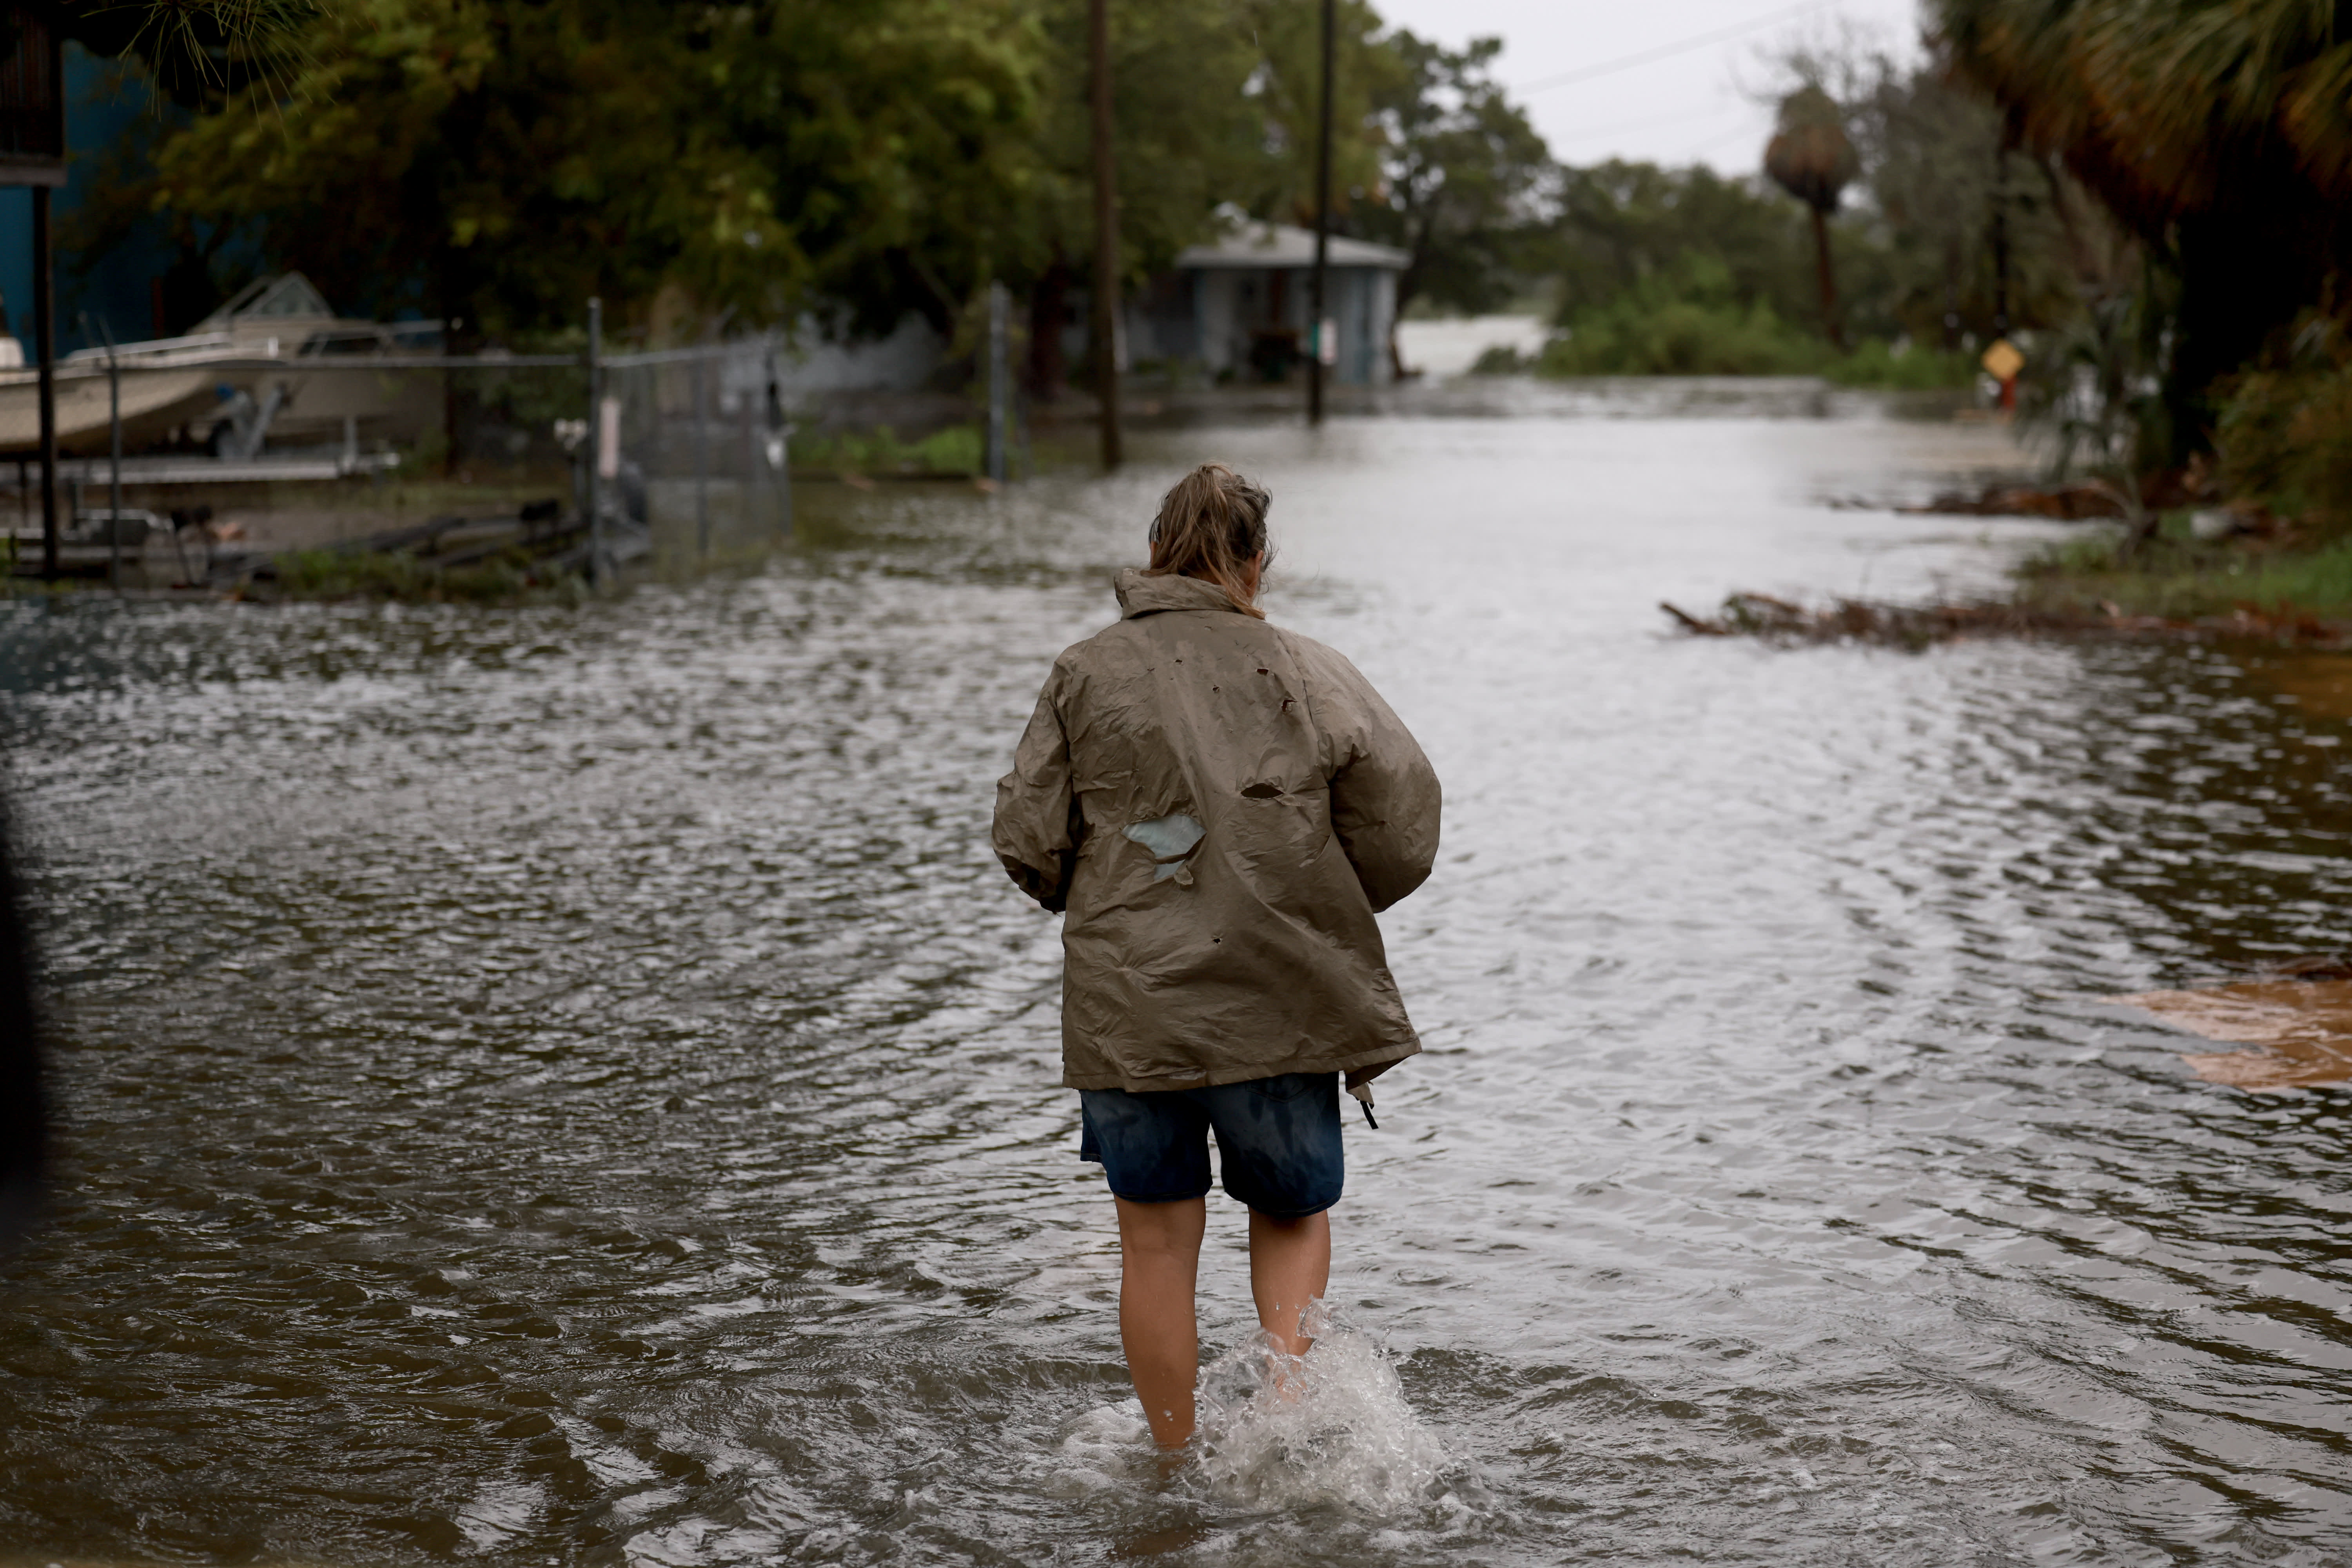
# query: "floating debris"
[[1921, 625], [2299, 1016], [2318, 684], [2079, 502]]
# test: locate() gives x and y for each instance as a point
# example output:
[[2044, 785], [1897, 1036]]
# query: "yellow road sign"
[[2002, 361]]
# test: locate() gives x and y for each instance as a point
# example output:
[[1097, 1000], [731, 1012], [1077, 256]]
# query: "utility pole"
[[779, 443], [114, 464], [1105, 312], [1316, 292], [2001, 242], [702, 449], [33, 67]]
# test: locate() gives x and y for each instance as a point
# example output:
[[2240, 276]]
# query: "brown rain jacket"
[[1220, 805]]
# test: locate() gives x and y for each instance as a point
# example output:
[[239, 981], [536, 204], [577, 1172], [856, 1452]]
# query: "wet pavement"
[[571, 1085]]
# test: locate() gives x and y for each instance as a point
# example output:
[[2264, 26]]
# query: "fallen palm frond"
[[1921, 625], [2084, 500]]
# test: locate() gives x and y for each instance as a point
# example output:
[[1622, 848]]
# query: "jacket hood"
[[1141, 593]]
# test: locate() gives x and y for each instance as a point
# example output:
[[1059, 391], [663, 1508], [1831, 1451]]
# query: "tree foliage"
[[196, 52], [2220, 135], [1686, 320], [1620, 225], [1467, 177], [1810, 157], [499, 163], [2284, 426], [1214, 104], [1972, 228]]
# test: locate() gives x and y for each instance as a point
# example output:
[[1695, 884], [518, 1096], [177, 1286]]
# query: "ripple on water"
[[572, 1085]]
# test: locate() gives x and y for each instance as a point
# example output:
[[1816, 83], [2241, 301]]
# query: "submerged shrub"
[[1686, 322], [1874, 363]]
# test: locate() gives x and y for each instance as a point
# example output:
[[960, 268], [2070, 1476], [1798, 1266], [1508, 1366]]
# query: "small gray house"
[[1239, 307]]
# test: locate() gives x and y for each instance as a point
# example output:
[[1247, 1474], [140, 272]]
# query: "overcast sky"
[[1688, 105]]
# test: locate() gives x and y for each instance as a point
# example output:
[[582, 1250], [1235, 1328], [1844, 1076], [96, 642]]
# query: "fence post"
[[44, 344], [702, 453], [114, 457], [999, 385], [780, 445], [595, 485], [114, 452], [749, 490]]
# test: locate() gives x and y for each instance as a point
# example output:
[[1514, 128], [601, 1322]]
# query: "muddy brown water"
[[572, 1086]]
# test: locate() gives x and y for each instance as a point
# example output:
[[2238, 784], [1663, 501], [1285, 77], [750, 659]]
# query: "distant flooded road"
[[559, 1086]]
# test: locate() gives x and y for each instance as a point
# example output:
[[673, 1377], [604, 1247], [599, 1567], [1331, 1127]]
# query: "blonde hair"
[[1211, 526]]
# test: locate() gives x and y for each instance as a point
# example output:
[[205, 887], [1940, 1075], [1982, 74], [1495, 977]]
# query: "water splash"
[[1107, 1448], [1331, 1429]]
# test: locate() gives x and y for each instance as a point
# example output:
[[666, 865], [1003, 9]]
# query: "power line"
[[1712, 142], [1595, 133], [1666, 51]]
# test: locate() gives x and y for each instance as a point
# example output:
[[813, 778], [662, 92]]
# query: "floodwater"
[[573, 1086]]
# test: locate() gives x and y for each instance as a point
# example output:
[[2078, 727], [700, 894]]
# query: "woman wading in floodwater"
[[1221, 806]]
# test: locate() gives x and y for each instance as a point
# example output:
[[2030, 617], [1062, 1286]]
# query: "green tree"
[[193, 54], [499, 163], [1466, 178], [1937, 179], [1960, 226], [1189, 135], [1620, 222], [2221, 135], [1812, 159], [1215, 105], [1685, 318], [496, 163], [1285, 91]]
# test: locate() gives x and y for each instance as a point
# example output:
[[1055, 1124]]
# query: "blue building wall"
[[107, 108]]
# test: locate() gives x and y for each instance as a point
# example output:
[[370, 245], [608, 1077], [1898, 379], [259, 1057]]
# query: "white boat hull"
[[154, 403]]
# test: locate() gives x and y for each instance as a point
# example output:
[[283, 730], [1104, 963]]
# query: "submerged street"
[[573, 1085]]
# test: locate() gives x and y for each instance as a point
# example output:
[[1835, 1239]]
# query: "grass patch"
[[958, 449], [2183, 578], [508, 578]]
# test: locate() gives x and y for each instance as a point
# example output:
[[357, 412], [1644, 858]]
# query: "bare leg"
[[1159, 1263], [1290, 1265]]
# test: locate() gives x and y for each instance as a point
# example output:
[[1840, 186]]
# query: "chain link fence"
[[703, 457]]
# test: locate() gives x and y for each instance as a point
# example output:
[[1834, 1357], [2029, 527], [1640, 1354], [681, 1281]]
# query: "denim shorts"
[[1278, 1141]]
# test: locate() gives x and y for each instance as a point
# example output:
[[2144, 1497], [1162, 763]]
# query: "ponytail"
[[1211, 526]]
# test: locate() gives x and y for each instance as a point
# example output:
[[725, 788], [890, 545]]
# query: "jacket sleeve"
[[1038, 823], [1385, 800]]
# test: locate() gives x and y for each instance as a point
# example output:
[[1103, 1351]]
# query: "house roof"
[[1287, 245]]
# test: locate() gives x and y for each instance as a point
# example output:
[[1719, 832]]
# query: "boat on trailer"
[[207, 388]]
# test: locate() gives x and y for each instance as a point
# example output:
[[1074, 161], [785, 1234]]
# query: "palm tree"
[[1813, 160]]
